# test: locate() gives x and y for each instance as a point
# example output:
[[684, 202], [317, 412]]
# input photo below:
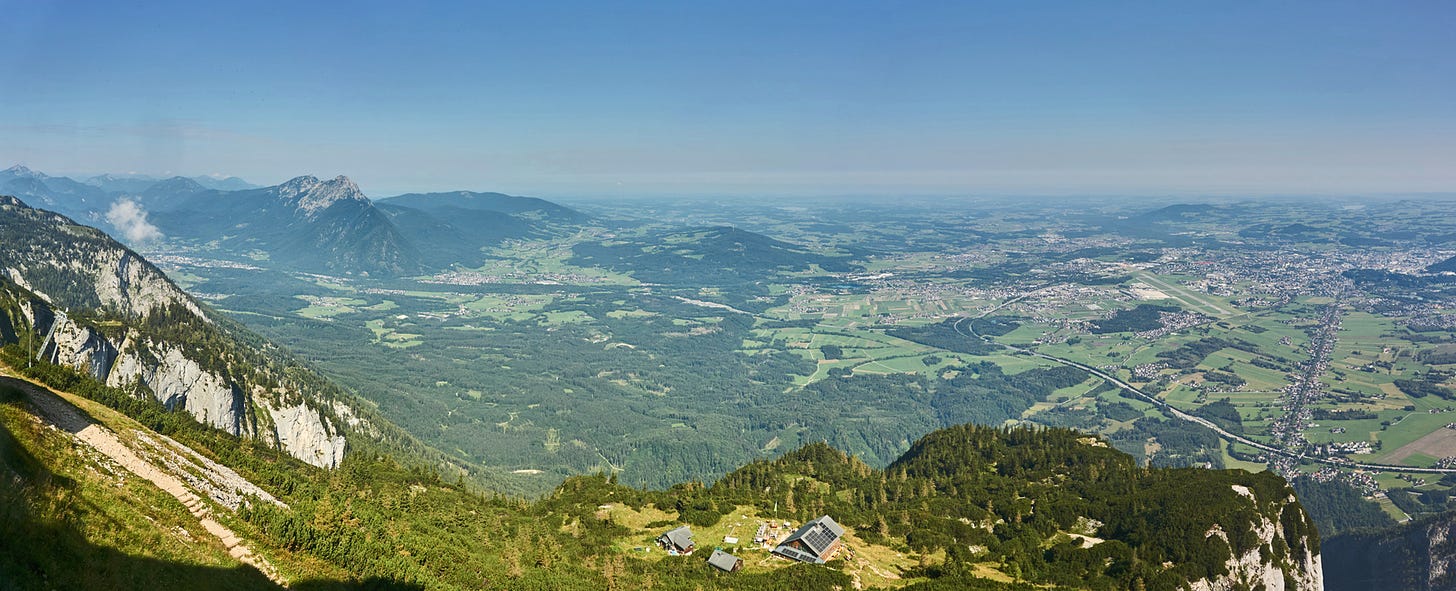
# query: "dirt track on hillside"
[[55, 410]]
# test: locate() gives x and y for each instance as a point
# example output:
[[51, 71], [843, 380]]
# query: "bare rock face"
[[310, 195], [79, 347], [306, 434], [124, 283], [1283, 561], [177, 381], [199, 366], [353, 420]]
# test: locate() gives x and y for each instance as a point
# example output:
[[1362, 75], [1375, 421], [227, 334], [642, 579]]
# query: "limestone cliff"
[[82, 300], [67, 343], [178, 381], [1286, 553], [306, 433]]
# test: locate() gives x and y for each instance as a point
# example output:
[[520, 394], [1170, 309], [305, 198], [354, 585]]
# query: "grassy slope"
[[70, 519]]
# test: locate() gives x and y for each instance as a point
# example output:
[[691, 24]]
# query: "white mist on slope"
[[131, 219]]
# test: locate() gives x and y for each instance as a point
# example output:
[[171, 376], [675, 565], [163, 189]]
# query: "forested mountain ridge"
[[305, 223], [453, 228], [74, 297], [1052, 506], [1446, 266], [716, 255], [499, 202]]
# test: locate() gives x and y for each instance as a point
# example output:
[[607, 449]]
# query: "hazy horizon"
[[759, 196], [798, 99]]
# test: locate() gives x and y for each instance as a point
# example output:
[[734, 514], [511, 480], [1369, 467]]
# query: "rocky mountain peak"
[[20, 170], [298, 185], [311, 195]]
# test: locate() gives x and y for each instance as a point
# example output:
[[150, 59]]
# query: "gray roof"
[[817, 535], [681, 537], [724, 560], [829, 522], [797, 554]]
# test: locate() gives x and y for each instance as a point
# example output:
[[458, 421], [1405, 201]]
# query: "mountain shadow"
[[41, 546]]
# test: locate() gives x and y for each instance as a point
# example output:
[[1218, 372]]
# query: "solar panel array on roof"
[[817, 539], [797, 554], [817, 536]]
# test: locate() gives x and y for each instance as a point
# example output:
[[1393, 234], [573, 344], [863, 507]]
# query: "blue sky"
[[771, 98]]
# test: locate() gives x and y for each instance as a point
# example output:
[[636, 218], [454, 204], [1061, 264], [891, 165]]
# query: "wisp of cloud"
[[131, 219]]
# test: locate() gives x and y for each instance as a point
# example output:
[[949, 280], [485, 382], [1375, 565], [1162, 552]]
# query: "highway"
[[965, 330]]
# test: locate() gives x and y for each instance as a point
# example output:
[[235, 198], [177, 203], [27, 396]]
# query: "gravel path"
[[60, 413]]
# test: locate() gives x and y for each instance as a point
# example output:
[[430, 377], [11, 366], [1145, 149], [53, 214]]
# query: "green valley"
[[622, 347]]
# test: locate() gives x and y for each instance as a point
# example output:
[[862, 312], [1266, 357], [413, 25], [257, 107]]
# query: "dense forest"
[[1337, 507], [706, 256], [1142, 317], [1009, 491], [949, 336]]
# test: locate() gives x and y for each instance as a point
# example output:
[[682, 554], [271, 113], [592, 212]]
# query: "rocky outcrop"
[[353, 420], [124, 282], [1285, 558], [83, 348], [82, 300], [306, 430], [180, 382], [177, 381], [75, 267], [309, 195]]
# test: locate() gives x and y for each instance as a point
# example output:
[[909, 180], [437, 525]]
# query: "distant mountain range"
[[128, 183], [95, 194], [305, 224], [62, 194], [454, 227]]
